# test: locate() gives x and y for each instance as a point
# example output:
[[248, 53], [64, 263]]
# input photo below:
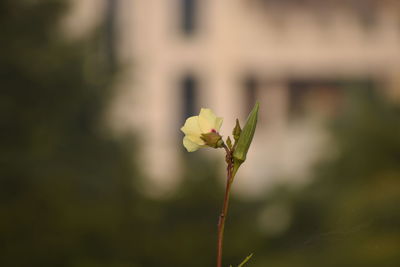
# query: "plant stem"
[[224, 211]]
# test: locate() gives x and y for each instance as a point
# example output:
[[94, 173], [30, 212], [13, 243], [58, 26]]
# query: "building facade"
[[295, 57]]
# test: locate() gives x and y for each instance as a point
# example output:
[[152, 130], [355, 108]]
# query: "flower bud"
[[229, 142], [212, 139], [236, 131], [246, 136]]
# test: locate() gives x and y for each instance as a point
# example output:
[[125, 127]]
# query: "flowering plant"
[[199, 130], [203, 131]]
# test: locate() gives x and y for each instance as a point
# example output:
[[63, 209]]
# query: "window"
[[188, 16], [322, 97], [189, 87], [251, 86]]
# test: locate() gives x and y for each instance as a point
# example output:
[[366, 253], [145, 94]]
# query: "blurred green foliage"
[[70, 193], [350, 214], [66, 195]]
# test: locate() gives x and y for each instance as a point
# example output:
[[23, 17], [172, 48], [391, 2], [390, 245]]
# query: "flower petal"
[[189, 145], [207, 120], [191, 126], [195, 126], [195, 139], [192, 130], [218, 123]]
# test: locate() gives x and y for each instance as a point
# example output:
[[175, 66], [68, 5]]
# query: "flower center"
[[213, 131]]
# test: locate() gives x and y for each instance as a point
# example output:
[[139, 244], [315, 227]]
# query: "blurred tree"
[[66, 194], [350, 214]]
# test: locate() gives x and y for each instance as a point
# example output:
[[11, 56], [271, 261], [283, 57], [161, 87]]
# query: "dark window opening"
[[188, 19], [251, 86], [110, 33], [322, 97], [189, 87]]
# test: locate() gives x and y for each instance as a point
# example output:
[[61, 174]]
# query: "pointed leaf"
[[229, 142], [236, 131], [245, 260], [245, 139]]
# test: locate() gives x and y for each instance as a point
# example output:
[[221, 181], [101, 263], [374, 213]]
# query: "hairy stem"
[[225, 205]]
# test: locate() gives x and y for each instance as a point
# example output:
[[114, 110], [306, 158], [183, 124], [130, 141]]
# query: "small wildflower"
[[202, 130]]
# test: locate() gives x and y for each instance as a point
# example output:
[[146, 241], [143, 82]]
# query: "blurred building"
[[295, 56]]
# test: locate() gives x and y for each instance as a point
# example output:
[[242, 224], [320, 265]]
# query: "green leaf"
[[245, 139], [245, 260]]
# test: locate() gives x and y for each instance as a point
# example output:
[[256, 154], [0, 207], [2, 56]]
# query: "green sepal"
[[245, 139], [229, 143], [236, 131], [212, 139]]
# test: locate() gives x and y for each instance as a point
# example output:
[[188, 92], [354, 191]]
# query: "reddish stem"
[[224, 212]]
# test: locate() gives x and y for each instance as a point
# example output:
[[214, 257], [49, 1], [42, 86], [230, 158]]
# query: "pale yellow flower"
[[206, 122]]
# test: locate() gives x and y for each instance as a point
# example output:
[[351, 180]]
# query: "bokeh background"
[[92, 96]]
